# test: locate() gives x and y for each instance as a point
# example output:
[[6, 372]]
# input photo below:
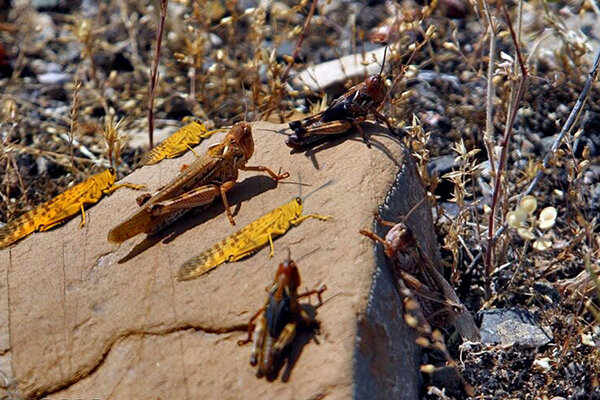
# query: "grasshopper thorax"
[[241, 133], [400, 238]]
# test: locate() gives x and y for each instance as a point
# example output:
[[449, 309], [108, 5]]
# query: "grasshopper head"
[[375, 87], [298, 206], [112, 175], [287, 275], [242, 134], [401, 238]]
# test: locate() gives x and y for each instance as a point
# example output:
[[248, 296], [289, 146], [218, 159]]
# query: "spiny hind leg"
[[299, 126], [251, 327], [330, 128], [285, 337], [199, 196]]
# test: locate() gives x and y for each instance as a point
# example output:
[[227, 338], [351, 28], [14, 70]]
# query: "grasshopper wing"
[[199, 173]]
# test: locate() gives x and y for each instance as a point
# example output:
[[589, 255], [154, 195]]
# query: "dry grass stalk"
[[154, 75], [488, 137], [513, 107]]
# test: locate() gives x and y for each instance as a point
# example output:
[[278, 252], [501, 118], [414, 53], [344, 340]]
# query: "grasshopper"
[[62, 207], [208, 177], [344, 113], [279, 318], [178, 143], [438, 300], [248, 240]]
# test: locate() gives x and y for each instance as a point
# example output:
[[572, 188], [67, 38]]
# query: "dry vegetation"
[[482, 89]]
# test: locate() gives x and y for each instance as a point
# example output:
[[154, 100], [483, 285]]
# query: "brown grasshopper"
[[343, 114], [439, 303], [278, 318], [198, 184]]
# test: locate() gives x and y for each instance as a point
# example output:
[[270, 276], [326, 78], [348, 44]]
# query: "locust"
[[198, 184], [279, 318], [248, 240], [438, 300], [178, 143], [62, 207], [343, 114]]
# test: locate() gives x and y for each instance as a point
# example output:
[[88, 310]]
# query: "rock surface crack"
[[95, 365]]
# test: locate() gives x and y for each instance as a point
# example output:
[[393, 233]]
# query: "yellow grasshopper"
[[178, 143], [207, 178], [248, 240], [62, 207]]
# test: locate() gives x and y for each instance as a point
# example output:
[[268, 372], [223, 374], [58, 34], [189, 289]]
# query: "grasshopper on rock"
[[247, 240], [208, 177], [178, 143], [344, 113], [438, 300], [62, 207], [279, 318]]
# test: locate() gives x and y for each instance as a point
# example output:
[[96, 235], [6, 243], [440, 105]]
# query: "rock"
[[62, 6], [83, 318], [513, 326], [53, 78], [338, 71], [43, 27]]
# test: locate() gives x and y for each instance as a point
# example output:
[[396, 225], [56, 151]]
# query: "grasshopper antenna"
[[413, 209], [329, 182], [383, 63], [313, 251]]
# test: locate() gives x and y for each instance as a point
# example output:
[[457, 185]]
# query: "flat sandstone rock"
[[84, 318]]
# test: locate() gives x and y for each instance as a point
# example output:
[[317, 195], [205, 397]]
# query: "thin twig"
[[488, 137], [154, 78], [296, 52], [74, 114], [514, 107]]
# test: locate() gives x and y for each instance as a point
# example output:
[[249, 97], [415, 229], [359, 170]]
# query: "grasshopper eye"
[[111, 170], [299, 200]]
